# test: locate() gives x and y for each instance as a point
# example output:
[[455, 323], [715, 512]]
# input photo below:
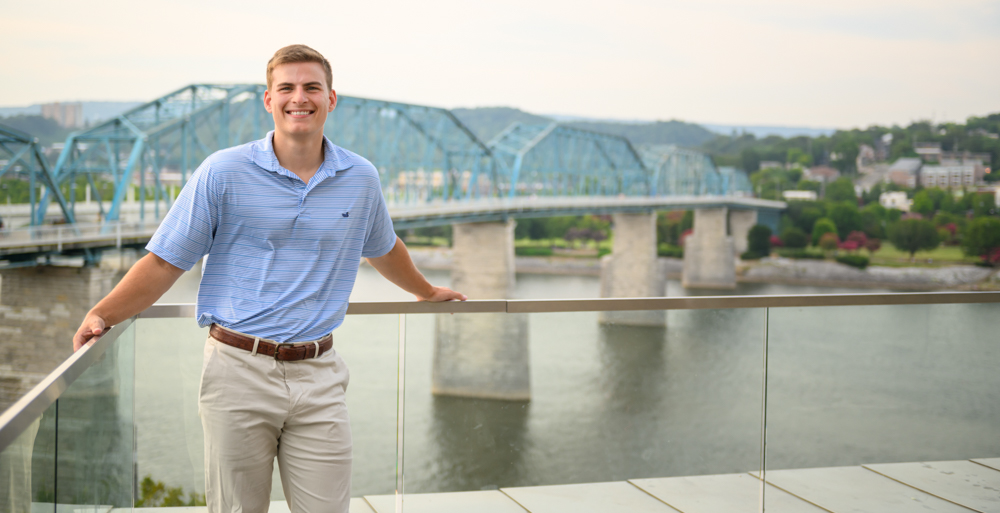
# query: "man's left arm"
[[397, 267]]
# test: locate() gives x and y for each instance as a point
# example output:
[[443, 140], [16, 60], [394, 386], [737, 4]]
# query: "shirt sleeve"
[[379, 237], [187, 232]]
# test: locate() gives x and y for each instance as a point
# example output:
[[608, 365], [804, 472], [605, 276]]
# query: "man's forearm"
[[144, 283], [397, 267]]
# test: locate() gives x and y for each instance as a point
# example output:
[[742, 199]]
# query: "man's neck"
[[300, 155]]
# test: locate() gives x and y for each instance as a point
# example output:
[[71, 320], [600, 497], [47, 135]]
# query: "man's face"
[[299, 98]]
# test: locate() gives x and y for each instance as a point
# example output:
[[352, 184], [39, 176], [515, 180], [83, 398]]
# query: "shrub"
[[858, 261], [800, 253], [873, 245], [829, 241], [532, 251], [603, 251], [759, 240], [982, 238], [776, 242], [794, 238], [821, 228], [666, 250], [751, 255]]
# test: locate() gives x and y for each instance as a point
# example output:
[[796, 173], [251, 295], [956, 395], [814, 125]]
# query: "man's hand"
[[397, 267], [91, 327], [443, 294]]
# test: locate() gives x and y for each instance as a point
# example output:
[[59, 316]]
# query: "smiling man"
[[284, 222]]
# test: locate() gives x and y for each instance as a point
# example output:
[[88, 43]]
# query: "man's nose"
[[300, 95]]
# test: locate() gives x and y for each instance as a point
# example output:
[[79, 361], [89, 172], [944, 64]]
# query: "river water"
[[845, 386]]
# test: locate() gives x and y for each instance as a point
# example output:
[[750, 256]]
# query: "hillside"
[[487, 122]]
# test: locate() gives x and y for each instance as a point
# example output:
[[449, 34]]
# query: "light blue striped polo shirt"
[[282, 255]]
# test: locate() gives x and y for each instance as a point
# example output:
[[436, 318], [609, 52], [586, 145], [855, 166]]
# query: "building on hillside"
[[904, 172], [896, 200], [951, 158], [866, 159], [821, 174], [951, 177], [68, 115], [883, 147], [928, 151], [799, 195]]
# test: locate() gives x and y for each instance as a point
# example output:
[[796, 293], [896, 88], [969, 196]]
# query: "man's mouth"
[[299, 112]]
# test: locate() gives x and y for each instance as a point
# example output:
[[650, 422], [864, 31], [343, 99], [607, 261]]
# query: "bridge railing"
[[734, 386], [60, 235]]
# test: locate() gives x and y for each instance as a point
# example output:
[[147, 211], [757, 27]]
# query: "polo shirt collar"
[[335, 159]]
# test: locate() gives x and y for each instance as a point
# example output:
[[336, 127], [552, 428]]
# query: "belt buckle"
[[277, 349]]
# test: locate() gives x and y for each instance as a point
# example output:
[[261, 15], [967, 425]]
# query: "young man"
[[284, 222]]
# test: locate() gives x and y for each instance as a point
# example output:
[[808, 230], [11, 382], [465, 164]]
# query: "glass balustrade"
[[862, 388], [508, 401], [573, 407], [169, 437]]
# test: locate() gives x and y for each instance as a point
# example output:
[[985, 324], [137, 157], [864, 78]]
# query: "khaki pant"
[[254, 408]]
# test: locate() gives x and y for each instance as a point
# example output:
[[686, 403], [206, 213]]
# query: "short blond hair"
[[299, 53]]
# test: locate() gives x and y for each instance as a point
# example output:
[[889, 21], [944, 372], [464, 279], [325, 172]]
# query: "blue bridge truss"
[[425, 155]]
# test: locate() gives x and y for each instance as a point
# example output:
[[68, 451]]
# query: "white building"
[[799, 195], [896, 200], [950, 177]]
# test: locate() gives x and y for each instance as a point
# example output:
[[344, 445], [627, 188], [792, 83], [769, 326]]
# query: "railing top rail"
[[632, 304], [32, 405]]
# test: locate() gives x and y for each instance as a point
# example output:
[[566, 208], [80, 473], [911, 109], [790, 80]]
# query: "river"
[[846, 385]]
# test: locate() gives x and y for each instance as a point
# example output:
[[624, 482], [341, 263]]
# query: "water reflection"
[[480, 442]]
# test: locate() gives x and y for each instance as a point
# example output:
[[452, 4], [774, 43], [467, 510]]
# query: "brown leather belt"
[[282, 352]]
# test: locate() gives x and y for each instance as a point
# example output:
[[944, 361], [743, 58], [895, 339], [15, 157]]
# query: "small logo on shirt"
[[346, 214]]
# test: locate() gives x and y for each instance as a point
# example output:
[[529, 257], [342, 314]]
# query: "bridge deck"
[[948, 486], [60, 238]]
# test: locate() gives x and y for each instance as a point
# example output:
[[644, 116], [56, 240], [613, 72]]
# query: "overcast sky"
[[843, 64]]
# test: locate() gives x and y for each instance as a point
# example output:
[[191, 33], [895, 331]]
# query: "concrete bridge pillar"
[[709, 252], [40, 310], [482, 355], [740, 222], [632, 270]]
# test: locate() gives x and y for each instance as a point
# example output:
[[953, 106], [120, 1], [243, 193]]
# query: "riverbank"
[[768, 270]]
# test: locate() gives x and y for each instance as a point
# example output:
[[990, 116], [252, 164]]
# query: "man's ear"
[[333, 100], [267, 100]]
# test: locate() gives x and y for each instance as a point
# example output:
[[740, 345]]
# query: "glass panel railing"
[[27, 467], [94, 431], [503, 401], [170, 438], [857, 387]]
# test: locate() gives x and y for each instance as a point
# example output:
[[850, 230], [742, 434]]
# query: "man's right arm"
[[148, 279]]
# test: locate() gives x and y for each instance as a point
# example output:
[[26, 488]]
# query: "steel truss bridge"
[[131, 167]]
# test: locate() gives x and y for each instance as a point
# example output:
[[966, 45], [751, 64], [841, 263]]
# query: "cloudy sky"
[[768, 62]]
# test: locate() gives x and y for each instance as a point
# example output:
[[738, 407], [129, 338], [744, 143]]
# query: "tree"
[[922, 203], [822, 227], [912, 235], [847, 218], [759, 240], [873, 245], [982, 238], [793, 237], [841, 189], [872, 218]]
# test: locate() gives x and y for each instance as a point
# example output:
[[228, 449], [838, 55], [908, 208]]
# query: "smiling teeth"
[[298, 112]]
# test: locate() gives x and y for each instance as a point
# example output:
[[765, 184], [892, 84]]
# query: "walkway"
[[946, 486]]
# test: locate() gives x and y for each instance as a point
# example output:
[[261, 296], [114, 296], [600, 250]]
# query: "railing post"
[[59, 238], [118, 235]]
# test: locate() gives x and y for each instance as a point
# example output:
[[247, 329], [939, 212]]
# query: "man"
[[284, 222]]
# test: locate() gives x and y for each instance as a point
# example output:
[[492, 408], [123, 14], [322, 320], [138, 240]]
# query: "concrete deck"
[[947, 486]]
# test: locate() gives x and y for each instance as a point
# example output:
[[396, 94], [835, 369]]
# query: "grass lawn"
[[943, 255]]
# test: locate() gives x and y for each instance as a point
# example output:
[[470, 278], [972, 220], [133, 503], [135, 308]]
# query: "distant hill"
[[659, 132], [487, 122], [93, 112], [762, 131]]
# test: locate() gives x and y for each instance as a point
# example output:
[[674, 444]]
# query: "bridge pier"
[[740, 222], [632, 270], [41, 308], [709, 252], [482, 355]]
